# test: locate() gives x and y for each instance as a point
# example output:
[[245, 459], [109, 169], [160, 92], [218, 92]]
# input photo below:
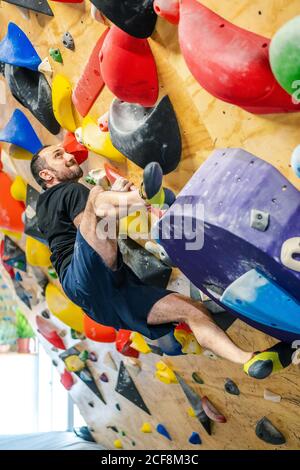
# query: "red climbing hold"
[[128, 68], [71, 145], [67, 379], [123, 343], [230, 62], [167, 9], [10, 210], [49, 332], [98, 332], [90, 83]]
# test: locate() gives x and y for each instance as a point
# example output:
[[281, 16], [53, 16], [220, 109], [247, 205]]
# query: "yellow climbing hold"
[[165, 374], [139, 343], [191, 412], [19, 153], [74, 363], [37, 254], [136, 224], [11, 234], [118, 444], [146, 428], [99, 142], [18, 189], [63, 308], [62, 103], [188, 342]]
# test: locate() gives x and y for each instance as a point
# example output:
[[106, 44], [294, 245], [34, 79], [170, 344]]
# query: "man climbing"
[[91, 270]]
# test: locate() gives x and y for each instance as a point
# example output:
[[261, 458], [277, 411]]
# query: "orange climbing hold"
[[98, 332]]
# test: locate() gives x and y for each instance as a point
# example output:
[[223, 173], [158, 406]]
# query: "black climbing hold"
[[45, 314], [93, 356], [13, 255], [91, 404], [118, 407], [104, 378], [126, 387], [31, 223], [146, 266], [113, 428], [231, 387], [267, 432], [40, 6], [84, 433], [31, 89], [261, 369], [196, 377], [68, 41], [146, 135], [135, 17], [55, 363]]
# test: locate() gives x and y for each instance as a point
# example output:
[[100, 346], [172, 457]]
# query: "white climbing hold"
[[290, 248], [270, 396], [259, 220], [78, 135], [45, 66]]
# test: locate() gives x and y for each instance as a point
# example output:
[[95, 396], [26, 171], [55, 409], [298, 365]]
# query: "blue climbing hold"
[[195, 439], [169, 345], [16, 49], [295, 161], [18, 131], [160, 428], [263, 301], [18, 277]]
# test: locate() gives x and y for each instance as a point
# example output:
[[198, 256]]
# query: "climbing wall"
[[206, 123]]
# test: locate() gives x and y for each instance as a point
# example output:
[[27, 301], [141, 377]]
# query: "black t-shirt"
[[56, 209]]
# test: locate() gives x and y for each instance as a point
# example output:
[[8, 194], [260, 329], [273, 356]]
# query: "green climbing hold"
[[52, 272], [84, 355], [285, 55], [56, 55], [77, 335], [196, 378]]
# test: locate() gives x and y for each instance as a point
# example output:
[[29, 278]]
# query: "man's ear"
[[45, 175]]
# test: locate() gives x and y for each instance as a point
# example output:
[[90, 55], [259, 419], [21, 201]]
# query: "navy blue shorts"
[[112, 298]]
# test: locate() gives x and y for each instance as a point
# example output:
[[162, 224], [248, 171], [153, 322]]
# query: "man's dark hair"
[[37, 164]]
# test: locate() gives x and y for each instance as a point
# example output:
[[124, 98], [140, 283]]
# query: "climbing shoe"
[[151, 189], [270, 361]]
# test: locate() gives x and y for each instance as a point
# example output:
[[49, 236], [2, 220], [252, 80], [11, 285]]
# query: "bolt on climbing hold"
[[68, 41], [267, 432], [118, 444], [56, 55], [195, 439], [196, 378], [259, 220], [161, 429], [104, 378], [146, 428], [270, 396], [231, 387]]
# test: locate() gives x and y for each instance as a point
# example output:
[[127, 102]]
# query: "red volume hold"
[[128, 68], [230, 62]]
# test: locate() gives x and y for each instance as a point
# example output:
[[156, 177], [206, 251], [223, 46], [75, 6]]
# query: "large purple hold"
[[229, 185]]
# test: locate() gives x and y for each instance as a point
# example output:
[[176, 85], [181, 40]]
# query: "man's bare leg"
[[177, 308]]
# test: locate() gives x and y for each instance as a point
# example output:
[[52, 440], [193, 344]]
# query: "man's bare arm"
[[77, 220]]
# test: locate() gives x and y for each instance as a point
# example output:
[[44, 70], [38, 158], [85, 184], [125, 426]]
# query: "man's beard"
[[73, 175]]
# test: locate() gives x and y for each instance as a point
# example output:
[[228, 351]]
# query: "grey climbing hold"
[[68, 41], [259, 220], [267, 432], [231, 387]]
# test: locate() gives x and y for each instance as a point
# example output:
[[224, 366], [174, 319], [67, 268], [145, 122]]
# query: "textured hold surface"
[[145, 266], [128, 68], [146, 135], [247, 181], [229, 62], [40, 6], [68, 41], [90, 83], [267, 432], [260, 299], [16, 49], [259, 220], [126, 387], [31, 89], [18, 131], [134, 17]]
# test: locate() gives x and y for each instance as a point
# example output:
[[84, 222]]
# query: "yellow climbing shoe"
[[268, 362]]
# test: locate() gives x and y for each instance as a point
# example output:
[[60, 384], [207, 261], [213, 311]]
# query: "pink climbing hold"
[[128, 68], [229, 62], [212, 412], [103, 122], [90, 83], [167, 9]]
